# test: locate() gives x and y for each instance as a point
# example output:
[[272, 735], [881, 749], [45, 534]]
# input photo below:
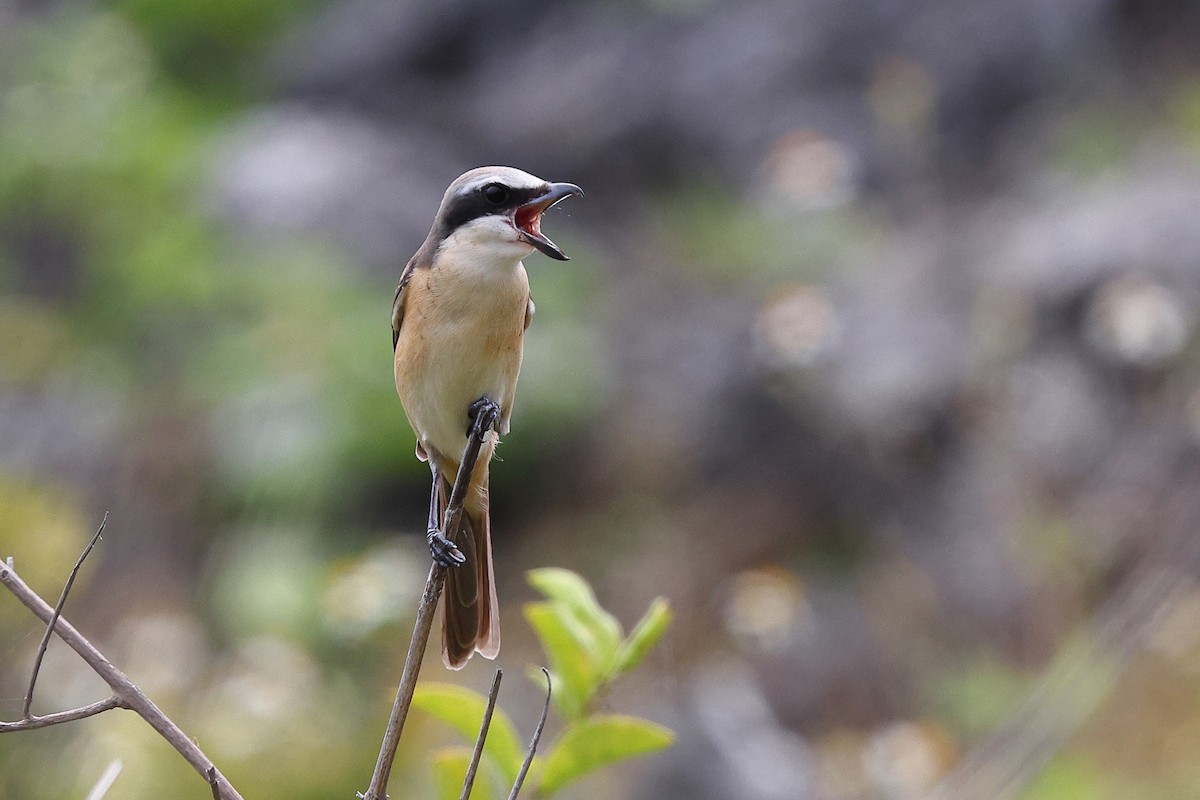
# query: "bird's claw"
[[484, 413], [443, 550]]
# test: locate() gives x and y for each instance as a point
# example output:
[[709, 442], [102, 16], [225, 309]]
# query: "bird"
[[459, 317]]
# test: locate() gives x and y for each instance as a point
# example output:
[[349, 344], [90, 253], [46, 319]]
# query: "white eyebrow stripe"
[[515, 179]]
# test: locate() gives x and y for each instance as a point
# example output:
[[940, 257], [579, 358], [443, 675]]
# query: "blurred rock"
[[295, 171], [620, 99], [1058, 239], [893, 378], [1137, 322], [905, 759], [731, 745]]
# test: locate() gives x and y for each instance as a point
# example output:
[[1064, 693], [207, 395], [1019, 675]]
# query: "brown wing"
[[529, 309], [398, 303], [423, 259]]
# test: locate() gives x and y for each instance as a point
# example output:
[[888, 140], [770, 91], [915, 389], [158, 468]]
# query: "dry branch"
[[477, 753], [58, 607], [106, 781], [124, 693], [533, 743], [33, 722], [377, 790]]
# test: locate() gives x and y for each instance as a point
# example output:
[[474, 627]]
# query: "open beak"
[[528, 218]]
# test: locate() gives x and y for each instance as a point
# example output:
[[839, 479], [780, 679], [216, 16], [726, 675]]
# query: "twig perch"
[[124, 693], [377, 790], [58, 607], [213, 783], [33, 722], [473, 767], [533, 743]]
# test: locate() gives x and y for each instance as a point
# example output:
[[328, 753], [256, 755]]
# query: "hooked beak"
[[528, 218]]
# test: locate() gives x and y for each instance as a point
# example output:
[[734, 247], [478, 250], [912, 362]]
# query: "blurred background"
[[876, 355]]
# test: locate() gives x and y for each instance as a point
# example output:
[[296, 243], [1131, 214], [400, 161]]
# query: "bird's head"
[[500, 209]]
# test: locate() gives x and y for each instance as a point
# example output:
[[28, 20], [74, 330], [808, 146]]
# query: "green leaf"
[[566, 642], [1067, 778], [450, 769], [562, 585], [462, 709], [645, 635], [574, 593], [600, 740]]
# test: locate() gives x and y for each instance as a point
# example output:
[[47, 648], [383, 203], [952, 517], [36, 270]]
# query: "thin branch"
[[130, 696], [106, 780], [33, 722], [537, 737], [377, 790], [473, 767], [62, 601], [408, 681], [211, 775]]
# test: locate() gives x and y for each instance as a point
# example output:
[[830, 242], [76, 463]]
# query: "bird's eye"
[[495, 193]]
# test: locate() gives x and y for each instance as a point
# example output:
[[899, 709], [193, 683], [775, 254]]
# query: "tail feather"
[[470, 613]]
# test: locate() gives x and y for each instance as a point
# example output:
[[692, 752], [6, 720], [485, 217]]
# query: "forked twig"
[[125, 693], [83, 712], [377, 790], [58, 607], [533, 743], [473, 767]]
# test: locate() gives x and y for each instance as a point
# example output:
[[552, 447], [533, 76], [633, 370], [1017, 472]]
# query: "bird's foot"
[[443, 550], [484, 414]]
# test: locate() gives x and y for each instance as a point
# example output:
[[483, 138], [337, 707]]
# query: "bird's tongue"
[[529, 219], [529, 222]]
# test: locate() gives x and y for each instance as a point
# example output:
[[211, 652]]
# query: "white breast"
[[463, 340]]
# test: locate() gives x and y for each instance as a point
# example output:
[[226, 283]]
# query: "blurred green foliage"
[[214, 45], [1093, 139], [109, 123], [120, 289], [712, 232], [47, 529], [449, 766], [587, 651], [979, 695], [1067, 778], [1186, 108]]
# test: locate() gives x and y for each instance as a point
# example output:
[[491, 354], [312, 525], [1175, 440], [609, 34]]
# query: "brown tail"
[[470, 613]]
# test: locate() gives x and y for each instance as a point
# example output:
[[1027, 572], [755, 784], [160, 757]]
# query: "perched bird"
[[458, 329]]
